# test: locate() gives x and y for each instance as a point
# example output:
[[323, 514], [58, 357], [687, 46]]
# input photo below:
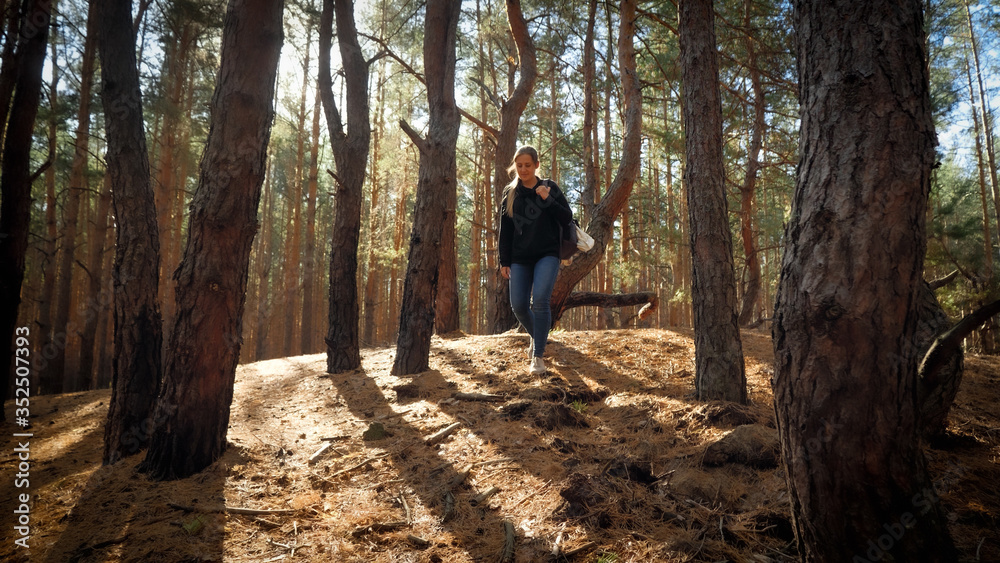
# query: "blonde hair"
[[510, 191]]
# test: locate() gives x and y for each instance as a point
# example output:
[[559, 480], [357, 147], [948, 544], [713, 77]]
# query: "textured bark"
[[54, 377], [350, 153], [15, 179], [310, 342], [847, 310], [436, 178], [751, 289], [138, 328], [719, 370], [192, 414], [601, 225], [501, 316], [447, 301]]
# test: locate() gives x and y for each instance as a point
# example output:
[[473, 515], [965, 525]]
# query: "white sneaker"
[[537, 366]]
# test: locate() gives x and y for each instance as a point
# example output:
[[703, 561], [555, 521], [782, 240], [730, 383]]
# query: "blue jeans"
[[534, 281]]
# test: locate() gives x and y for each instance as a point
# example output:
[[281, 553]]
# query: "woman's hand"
[[505, 272], [543, 191]]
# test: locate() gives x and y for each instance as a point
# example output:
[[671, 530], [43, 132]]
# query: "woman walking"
[[531, 213]]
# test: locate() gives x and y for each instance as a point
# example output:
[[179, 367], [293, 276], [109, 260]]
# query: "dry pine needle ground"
[[606, 458]]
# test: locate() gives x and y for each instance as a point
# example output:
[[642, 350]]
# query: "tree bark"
[[15, 180], [309, 339], [751, 290], [719, 370], [54, 378], [601, 225], [436, 178], [138, 327], [350, 153], [192, 415], [847, 310], [501, 315]]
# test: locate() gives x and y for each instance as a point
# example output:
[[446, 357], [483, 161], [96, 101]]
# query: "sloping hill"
[[607, 454]]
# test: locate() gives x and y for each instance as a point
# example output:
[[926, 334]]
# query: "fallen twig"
[[378, 527], [233, 509], [580, 549], [363, 463], [533, 493], [406, 507], [418, 541], [486, 397], [449, 506], [492, 461], [483, 496], [322, 450], [507, 555], [441, 434]]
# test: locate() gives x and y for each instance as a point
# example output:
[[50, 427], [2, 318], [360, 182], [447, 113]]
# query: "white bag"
[[583, 241]]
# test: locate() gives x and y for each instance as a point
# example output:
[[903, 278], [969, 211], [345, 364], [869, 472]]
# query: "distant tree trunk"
[[192, 414], [845, 343], [350, 153], [751, 290], [138, 328], [55, 376], [50, 247], [309, 340], [719, 370], [98, 298], [437, 178], [601, 225], [15, 179], [501, 315], [262, 315], [981, 165]]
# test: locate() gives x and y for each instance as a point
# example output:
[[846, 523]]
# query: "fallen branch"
[[941, 282], [486, 397], [322, 450], [440, 435], [946, 345], [580, 549], [378, 527], [611, 300], [362, 464], [507, 555], [485, 495], [233, 510], [418, 541]]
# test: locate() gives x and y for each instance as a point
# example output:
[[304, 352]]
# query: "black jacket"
[[533, 232]]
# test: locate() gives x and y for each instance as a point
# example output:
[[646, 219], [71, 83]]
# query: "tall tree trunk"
[[437, 178], [985, 111], [53, 378], [501, 315], [719, 370], [98, 298], [309, 340], [981, 165], [350, 153], [15, 180], [264, 263], [751, 291], [293, 254], [138, 327], [50, 246], [192, 414], [846, 352], [11, 21], [601, 225]]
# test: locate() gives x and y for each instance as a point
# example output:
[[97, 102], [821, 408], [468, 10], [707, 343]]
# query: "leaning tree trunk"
[[436, 177], [501, 316], [138, 327], [192, 415], [350, 153], [15, 182], [718, 352], [601, 225], [845, 342]]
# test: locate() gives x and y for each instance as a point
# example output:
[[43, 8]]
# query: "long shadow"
[[428, 474]]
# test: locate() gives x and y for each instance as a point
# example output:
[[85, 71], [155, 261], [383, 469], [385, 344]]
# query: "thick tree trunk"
[[350, 152], [437, 177], [15, 180], [847, 313], [138, 328], [192, 415], [719, 370], [501, 316], [446, 308]]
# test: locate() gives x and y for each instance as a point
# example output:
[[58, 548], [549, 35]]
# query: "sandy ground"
[[606, 458]]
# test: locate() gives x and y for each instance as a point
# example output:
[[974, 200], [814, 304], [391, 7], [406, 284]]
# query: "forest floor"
[[607, 458]]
